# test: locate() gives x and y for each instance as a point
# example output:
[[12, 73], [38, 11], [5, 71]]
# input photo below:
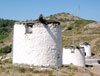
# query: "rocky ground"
[[8, 69]]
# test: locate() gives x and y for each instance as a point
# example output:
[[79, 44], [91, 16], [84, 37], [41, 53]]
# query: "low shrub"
[[91, 73], [2, 69], [5, 50], [20, 69], [8, 61]]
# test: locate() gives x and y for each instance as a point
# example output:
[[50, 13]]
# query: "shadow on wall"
[[51, 33]]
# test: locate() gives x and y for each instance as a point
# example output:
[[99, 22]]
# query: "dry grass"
[[7, 69]]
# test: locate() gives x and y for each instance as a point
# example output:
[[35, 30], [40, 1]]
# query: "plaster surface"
[[73, 56], [42, 47]]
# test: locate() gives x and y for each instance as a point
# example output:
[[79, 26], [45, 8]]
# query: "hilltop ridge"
[[63, 17]]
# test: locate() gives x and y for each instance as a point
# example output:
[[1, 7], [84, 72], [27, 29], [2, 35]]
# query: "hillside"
[[74, 31], [6, 27]]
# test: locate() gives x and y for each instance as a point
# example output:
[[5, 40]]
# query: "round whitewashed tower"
[[73, 55], [87, 49], [37, 43]]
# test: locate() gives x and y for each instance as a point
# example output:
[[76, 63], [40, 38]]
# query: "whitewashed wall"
[[87, 49], [41, 48], [73, 56]]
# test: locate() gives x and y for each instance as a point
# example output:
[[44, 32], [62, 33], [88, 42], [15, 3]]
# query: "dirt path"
[[94, 41], [64, 29], [77, 36], [96, 70]]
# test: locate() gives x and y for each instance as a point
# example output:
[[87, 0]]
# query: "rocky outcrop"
[[93, 25]]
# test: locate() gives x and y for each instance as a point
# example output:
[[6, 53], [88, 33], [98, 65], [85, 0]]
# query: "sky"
[[31, 9]]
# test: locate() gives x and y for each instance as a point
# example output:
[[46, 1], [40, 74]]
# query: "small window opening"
[[85, 53], [29, 29], [72, 51]]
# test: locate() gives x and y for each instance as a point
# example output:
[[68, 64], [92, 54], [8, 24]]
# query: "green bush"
[[1, 41], [70, 28], [79, 32], [72, 68], [19, 69], [8, 61], [5, 50], [5, 27], [91, 73], [79, 23]]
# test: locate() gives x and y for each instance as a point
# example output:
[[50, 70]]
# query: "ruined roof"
[[85, 43], [39, 20], [71, 47]]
